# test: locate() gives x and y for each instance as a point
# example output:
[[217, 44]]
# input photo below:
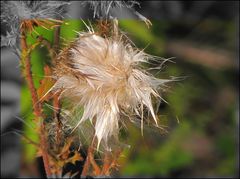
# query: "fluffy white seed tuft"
[[14, 12], [101, 9], [104, 76]]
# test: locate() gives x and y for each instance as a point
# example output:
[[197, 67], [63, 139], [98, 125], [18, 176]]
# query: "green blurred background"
[[202, 109]]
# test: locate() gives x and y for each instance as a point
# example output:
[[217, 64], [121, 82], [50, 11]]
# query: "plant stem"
[[106, 164], [56, 102], [96, 168], [57, 110], [56, 41], [44, 151], [28, 75], [90, 161], [86, 164], [35, 102], [110, 162]]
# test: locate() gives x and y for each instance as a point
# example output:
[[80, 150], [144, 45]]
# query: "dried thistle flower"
[[104, 75], [29, 14], [15, 11], [101, 9], [9, 39]]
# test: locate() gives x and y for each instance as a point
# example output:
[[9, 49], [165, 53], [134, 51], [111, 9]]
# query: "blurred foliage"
[[202, 143]]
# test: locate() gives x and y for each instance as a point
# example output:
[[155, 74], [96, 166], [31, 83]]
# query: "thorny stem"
[[44, 151], [56, 39], [107, 28], [36, 104], [90, 161], [28, 75], [56, 105], [56, 102], [87, 163], [110, 162], [106, 164], [114, 161], [104, 26], [96, 168]]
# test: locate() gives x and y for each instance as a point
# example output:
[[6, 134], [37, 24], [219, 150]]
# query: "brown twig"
[[44, 151], [90, 161], [86, 164], [56, 41], [116, 156], [96, 168], [28, 75], [57, 110], [56, 102], [36, 104], [106, 164], [104, 27]]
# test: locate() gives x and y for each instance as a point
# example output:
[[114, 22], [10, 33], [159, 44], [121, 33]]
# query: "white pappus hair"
[[104, 76]]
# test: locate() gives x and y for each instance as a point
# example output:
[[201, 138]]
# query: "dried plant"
[[102, 73], [28, 15], [102, 9], [106, 78]]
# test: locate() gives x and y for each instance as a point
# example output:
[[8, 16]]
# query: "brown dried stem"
[[91, 161], [56, 41], [56, 102], [87, 163], [36, 104], [28, 75], [110, 162], [96, 168], [106, 164], [57, 110]]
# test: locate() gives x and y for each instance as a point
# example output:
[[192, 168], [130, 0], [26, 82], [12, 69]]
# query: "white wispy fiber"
[[102, 8], [105, 77], [14, 12]]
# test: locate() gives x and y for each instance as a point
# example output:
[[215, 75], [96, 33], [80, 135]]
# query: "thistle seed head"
[[19, 10], [105, 76], [101, 9], [29, 14]]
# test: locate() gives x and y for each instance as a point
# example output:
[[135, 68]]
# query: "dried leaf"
[[45, 85], [76, 157]]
